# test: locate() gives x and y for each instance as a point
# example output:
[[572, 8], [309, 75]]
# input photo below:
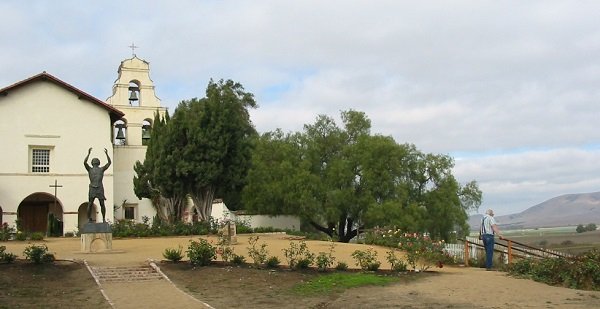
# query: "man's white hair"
[[489, 212]]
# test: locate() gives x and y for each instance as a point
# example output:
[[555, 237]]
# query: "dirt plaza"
[[450, 286]]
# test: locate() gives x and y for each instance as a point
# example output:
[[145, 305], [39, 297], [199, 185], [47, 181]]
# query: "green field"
[[564, 239]]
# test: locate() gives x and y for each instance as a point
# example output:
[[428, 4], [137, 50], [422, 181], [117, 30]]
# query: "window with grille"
[[40, 160], [129, 213]]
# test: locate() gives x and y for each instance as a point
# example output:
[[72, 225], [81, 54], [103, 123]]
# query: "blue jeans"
[[488, 243]]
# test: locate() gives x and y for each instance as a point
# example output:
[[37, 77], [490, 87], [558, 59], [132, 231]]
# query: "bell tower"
[[133, 94]]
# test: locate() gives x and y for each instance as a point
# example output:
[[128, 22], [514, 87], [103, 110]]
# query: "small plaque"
[[93, 228]]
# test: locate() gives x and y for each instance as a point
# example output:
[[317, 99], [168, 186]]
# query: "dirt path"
[[459, 287], [456, 287]]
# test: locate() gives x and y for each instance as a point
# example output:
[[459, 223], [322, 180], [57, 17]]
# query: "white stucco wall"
[[221, 212], [125, 158], [44, 114], [278, 222]]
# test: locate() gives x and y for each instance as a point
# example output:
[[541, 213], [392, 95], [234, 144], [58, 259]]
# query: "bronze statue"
[[96, 173]]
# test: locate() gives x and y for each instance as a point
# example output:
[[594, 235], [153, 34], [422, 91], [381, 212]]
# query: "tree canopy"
[[344, 179]]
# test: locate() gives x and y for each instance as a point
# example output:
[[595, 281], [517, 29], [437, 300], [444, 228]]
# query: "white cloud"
[[515, 79], [512, 182]]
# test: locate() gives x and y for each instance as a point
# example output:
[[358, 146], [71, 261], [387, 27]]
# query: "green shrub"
[[20, 236], [296, 252], [304, 263], [585, 271], [38, 254], [224, 248], [273, 262], [243, 228], [325, 260], [37, 236], [421, 251], [396, 263], [341, 266], [266, 229], [258, 255], [201, 252], [6, 257], [374, 266], [582, 272], [365, 258], [6, 232], [238, 259], [173, 255], [522, 267], [70, 234]]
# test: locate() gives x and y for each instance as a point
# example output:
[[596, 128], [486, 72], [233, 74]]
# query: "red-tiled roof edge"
[[115, 113]]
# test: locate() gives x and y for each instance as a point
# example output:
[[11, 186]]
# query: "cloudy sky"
[[510, 89]]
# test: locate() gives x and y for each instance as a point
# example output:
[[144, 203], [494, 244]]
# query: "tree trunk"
[[168, 209], [203, 200], [326, 230], [346, 232]]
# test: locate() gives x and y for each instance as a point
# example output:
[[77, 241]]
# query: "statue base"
[[96, 237]]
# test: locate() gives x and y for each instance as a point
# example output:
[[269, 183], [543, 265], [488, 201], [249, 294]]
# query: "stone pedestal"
[[96, 237], [229, 232]]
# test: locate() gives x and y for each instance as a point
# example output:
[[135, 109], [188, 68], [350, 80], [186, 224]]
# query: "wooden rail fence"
[[472, 248]]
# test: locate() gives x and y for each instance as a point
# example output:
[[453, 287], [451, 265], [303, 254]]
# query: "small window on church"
[[129, 212], [40, 160]]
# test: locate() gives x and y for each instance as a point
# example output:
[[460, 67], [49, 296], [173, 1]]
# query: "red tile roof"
[[115, 114]]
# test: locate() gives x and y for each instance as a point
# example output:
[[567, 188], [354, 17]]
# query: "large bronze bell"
[[133, 96], [120, 133]]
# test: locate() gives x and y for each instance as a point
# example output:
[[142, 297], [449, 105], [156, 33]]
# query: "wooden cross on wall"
[[55, 186]]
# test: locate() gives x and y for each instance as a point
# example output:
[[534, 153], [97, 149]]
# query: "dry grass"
[[58, 285]]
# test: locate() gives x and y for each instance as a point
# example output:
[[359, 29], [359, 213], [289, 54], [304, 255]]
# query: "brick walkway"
[[141, 286]]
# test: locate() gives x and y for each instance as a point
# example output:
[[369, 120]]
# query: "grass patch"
[[336, 282]]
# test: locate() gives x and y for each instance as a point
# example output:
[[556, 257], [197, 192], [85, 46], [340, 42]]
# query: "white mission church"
[[50, 125]]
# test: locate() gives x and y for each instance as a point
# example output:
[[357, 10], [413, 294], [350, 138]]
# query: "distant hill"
[[564, 210]]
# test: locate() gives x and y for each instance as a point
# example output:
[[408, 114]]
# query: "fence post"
[[466, 252], [509, 251]]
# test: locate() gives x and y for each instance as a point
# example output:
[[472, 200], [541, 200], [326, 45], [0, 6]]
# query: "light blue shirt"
[[486, 225]]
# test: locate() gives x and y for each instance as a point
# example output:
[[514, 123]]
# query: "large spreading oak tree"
[[344, 179]]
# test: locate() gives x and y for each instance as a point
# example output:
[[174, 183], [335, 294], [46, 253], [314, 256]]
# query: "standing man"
[[96, 173], [488, 229]]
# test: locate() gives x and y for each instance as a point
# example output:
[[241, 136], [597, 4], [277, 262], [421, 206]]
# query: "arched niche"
[[41, 212], [146, 131], [120, 132], [134, 93]]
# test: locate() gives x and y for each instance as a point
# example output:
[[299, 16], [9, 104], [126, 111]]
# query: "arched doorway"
[[82, 217], [40, 212]]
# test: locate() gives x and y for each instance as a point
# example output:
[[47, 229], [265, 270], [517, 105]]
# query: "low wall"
[[278, 222]]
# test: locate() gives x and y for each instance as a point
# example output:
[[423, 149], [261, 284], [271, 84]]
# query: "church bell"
[[120, 134], [133, 96], [146, 132]]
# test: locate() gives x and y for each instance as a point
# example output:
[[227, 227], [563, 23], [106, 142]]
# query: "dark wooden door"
[[34, 217]]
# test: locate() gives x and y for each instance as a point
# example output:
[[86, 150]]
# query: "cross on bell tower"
[[133, 47]]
